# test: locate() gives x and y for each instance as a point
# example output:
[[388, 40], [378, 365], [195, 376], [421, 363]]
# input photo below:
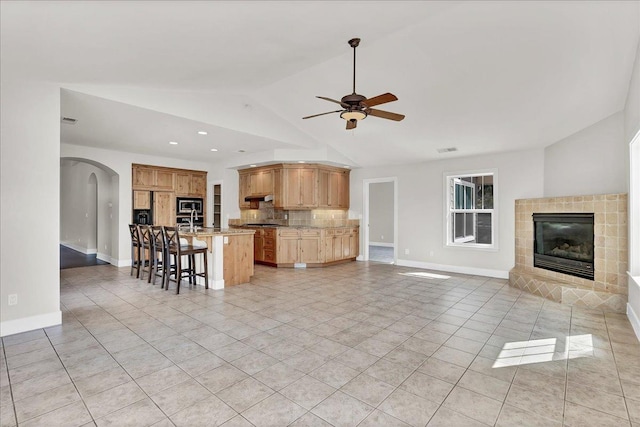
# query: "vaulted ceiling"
[[479, 76]]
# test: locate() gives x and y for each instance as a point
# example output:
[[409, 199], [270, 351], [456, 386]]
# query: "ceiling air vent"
[[447, 150], [69, 120]]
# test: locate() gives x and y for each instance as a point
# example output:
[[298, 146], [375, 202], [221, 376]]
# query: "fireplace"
[[563, 242]]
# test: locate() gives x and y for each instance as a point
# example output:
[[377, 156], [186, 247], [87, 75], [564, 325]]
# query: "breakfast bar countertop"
[[209, 232]]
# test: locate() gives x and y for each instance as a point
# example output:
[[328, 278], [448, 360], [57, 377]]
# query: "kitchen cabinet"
[[141, 199], [296, 186], [261, 182], [164, 208], [333, 188], [295, 246], [299, 189], [244, 190], [340, 244], [191, 184], [151, 178]]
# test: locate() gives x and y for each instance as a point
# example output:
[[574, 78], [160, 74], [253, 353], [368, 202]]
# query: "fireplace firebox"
[[563, 242]]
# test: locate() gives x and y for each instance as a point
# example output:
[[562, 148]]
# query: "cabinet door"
[[355, 243], [164, 209], [266, 182], [343, 190], [346, 246], [141, 199], [328, 240], [291, 188], [199, 185], [142, 177], [244, 190], [183, 184], [334, 189], [288, 250], [310, 249], [308, 188], [323, 188], [163, 180], [258, 246]]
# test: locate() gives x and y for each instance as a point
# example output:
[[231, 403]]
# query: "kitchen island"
[[230, 258]]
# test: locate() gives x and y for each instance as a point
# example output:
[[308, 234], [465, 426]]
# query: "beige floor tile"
[[443, 370], [580, 416], [42, 403], [539, 403], [485, 385], [473, 405], [143, 412], [511, 416], [221, 377], [368, 389], [451, 355], [340, 409], [445, 417], [244, 394], [596, 399], [307, 391], [408, 407], [88, 386], [389, 372], [211, 412], [180, 396], [71, 415], [426, 386], [275, 410]]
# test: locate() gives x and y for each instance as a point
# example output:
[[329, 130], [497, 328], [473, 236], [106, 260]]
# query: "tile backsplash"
[[310, 218]]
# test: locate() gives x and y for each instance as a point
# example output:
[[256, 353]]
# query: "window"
[[470, 209]]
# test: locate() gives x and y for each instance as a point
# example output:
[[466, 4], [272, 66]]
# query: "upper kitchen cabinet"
[[191, 184], [151, 178], [299, 188], [296, 186], [333, 188]]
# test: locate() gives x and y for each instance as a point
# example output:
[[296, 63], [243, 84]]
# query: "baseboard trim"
[[634, 318], [498, 274], [106, 258], [122, 263], [216, 284], [383, 244], [25, 324]]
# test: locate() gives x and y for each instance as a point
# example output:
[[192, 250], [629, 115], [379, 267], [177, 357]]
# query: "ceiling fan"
[[358, 107]]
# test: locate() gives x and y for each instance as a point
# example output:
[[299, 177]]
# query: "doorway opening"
[[380, 220]]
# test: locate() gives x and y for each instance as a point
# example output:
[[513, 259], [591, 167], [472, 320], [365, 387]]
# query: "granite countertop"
[[205, 231], [256, 225]]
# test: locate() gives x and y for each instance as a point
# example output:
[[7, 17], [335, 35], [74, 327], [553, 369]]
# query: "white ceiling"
[[480, 76]]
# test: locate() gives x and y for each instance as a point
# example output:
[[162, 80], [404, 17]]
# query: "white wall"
[[80, 216], [421, 209], [632, 107], [381, 212], [592, 161], [29, 214]]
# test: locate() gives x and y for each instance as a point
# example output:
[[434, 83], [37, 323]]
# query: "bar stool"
[[135, 249], [146, 251], [158, 255], [178, 250]]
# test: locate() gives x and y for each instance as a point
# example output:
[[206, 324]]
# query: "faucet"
[[194, 213]]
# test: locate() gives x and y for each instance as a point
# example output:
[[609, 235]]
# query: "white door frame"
[[365, 214]]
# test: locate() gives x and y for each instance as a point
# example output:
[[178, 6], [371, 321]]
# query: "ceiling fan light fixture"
[[354, 115]]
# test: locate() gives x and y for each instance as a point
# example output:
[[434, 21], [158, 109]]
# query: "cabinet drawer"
[[285, 232], [269, 255], [339, 231], [269, 243], [269, 232], [310, 233]]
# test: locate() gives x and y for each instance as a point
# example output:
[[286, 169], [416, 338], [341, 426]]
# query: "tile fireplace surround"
[[609, 289]]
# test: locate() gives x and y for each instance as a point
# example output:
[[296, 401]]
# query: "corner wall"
[[29, 212]]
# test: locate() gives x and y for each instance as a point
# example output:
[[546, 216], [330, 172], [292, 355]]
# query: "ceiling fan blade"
[[322, 114], [384, 114], [333, 100], [351, 124], [380, 99]]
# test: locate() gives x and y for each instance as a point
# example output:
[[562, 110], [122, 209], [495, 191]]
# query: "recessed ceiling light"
[[346, 167], [173, 143], [241, 151], [252, 166], [300, 161], [447, 150], [214, 149], [202, 132]]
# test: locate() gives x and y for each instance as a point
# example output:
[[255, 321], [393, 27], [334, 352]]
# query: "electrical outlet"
[[406, 251], [381, 237], [314, 216], [286, 216], [13, 299]]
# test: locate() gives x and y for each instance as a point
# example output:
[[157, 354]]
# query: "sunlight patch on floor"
[[425, 275], [544, 350]]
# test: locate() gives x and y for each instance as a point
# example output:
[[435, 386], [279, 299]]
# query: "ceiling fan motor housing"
[[353, 99]]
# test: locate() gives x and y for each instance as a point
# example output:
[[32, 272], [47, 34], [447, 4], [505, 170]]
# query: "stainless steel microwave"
[[185, 205]]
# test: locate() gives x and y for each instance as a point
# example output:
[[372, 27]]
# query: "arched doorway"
[[88, 229]]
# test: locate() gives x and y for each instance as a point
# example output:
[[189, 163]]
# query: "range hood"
[[259, 198], [255, 199]]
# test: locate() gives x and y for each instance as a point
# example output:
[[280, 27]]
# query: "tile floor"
[[360, 344]]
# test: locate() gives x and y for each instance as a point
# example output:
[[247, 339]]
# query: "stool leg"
[[206, 271], [178, 273]]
